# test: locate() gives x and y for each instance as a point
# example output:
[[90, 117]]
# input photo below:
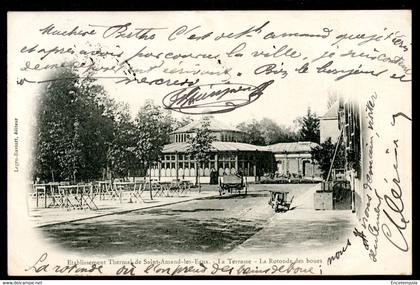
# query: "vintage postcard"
[[209, 143]]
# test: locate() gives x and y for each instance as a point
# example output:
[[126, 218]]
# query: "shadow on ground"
[[207, 225], [240, 196], [154, 235]]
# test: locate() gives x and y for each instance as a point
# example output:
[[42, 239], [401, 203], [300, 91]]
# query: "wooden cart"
[[279, 202], [228, 184]]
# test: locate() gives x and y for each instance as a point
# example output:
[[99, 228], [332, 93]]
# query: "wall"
[[297, 163], [228, 136], [359, 192], [329, 128]]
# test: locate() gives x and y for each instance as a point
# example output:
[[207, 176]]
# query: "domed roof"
[[216, 146], [215, 125]]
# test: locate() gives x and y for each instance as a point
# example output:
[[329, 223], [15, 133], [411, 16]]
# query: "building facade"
[[295, 158], [344, 124], [329, 125], [353, 139], [220, 131], [229, 155]]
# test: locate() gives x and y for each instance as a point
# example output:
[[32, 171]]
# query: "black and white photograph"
[[209, 143]]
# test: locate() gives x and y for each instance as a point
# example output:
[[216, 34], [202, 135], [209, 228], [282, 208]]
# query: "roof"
[[332, 113], [216, 145], [215, 125], [292, 147]]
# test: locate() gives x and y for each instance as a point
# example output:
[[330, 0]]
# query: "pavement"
[[200, 223], [301, 229], [53, 216]]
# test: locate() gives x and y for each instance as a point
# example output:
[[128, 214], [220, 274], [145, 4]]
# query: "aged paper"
[[105, 107]]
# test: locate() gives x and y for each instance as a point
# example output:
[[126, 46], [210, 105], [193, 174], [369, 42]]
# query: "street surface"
[[233, 224]]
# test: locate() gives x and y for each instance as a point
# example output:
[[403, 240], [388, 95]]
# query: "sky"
[[283, 108], [285, 100]]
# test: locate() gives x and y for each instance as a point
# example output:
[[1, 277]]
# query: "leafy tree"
[[266, 132], [72, 129], [254, 133], [200, 145], [324, 153], [183, 122], [332, 98], [274, 133], [309, 127], [152, 132], [121, 156]]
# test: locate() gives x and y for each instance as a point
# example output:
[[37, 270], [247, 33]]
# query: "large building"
[[229, 155], [356, 161], [295, 158], [344, 125]]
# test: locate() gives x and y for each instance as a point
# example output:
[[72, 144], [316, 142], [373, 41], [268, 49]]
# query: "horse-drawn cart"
[[279, 202], [231, 183]]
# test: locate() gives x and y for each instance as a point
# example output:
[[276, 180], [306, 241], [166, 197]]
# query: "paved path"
[[301, 229], [50, 216], [202, 223]]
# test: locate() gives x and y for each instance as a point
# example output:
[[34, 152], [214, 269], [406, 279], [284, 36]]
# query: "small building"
[[295, 158], [329, 125], [229, 155]]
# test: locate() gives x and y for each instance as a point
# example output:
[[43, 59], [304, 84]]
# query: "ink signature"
[[213, 98]]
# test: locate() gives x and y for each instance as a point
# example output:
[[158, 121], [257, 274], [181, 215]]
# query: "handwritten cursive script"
[[213, 98], [42, 266]]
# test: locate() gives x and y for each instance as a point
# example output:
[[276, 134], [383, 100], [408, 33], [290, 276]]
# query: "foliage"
[[266, 132], [254, 133], [199, 145], [332, 98], [324, 153], [274, 133], [152, 129], [309, 127], [121, 157], [81, 133], [182, 122], [72, 129]]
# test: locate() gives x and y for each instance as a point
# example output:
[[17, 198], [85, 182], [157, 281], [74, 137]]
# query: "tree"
[[183, 122], [121, 156], [199, 146], [254, 133], [332, 98], [152, 132], [266, 132], [309, 127], [72, 129], [324, 153], [274, 133]]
